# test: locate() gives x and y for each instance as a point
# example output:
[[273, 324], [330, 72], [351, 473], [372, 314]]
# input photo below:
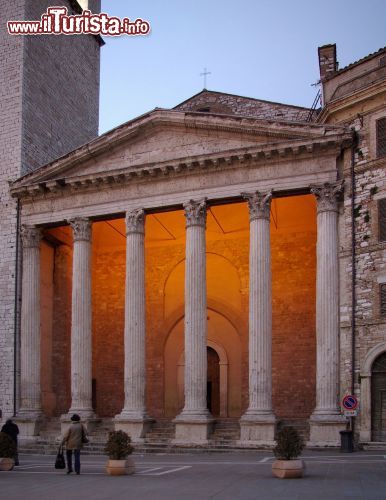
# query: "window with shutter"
[[382, 219], [383, 299], [381, 137]]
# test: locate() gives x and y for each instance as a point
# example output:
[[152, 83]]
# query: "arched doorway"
[[378, 398], [213, 382], [224, 339]]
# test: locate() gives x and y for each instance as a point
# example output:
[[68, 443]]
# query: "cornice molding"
[[263, 153], [158, 118], [349, 100]]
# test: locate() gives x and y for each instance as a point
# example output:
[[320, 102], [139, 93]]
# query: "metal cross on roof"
[[204, 74]]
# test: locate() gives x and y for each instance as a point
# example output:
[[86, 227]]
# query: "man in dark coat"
[[12, 430]]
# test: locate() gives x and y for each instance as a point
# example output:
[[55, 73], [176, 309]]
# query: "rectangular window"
[[383, 298], [382, 219], [381, 137]]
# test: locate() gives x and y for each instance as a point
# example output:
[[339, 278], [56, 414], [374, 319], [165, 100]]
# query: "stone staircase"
[[159, 438], [374, 446], [225, 437], [300, 424]]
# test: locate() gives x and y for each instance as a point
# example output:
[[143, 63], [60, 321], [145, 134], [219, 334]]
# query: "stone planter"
[[120, 467], [6, 463], [288, 469]]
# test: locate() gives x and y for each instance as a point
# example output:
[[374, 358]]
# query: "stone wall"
[[216, 102], [10, 154], [49, 93], [370, 186], [61, 95]]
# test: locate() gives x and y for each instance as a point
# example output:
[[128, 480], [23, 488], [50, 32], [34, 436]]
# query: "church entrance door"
[[378, 399], [213, 382]]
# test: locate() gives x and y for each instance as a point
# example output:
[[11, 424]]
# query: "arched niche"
[[223, 363], [224, 339], [365, 400], [222, 278]]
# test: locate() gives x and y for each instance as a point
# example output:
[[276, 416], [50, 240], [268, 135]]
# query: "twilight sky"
[[265, 49]]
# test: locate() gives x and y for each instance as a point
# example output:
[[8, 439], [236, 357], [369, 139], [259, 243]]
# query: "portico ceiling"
[[223, 221]]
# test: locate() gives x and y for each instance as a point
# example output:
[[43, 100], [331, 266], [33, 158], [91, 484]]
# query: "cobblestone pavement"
[[247, 475]]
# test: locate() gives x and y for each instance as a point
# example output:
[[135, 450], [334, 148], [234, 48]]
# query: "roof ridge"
[[361, 60], [242, 97]]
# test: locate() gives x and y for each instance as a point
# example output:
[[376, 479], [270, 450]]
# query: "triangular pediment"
[[163, 138]]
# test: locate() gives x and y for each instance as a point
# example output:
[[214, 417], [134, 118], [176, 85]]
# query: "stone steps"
[[300, 424], [159, 439], [374, 445]]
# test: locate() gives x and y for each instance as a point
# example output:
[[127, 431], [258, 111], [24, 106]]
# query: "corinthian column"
[[257, 424], [133, 418], [326, 420], [192, 425], [81, 328], [30, 391]]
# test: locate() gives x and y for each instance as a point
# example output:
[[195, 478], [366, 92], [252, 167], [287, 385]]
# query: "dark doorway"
[[378, 399], [213, 382]]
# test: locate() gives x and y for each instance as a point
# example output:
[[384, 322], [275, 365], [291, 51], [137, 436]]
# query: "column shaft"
[[81, 325], [195, 313], [327, 300], [260, 309], [30, 390], [135, 347], [195, 322]]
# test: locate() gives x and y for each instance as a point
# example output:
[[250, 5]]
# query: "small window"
[[381, 137], [383, 298], [204, 110], [382, 219]]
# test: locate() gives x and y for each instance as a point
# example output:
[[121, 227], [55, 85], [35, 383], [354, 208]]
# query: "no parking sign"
[[350, 405]]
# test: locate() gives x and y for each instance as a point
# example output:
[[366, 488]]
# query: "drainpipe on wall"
[[16, 308], [353, 260], [353, 271]]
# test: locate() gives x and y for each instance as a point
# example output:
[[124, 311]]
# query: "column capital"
[[195, 213], [30, 236], [81, 228], [135, 221], [327, 195], [259, 204]]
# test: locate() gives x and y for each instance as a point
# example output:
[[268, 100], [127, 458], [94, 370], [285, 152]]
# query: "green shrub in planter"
[[118, 446], [289, 444]]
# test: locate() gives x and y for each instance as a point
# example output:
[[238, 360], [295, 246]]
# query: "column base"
[[134, 424], [90, 422], [364, 436], [29, 423], [324, 429], [193, 429], [257, 429]]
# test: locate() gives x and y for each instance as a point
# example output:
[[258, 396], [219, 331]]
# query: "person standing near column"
[[73, 440], [12, 430]]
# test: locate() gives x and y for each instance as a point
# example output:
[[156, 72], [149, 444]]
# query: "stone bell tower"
[[49, 95]]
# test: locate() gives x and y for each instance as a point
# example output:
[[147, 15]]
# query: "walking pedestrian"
[[73, 440], [12, 430]]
